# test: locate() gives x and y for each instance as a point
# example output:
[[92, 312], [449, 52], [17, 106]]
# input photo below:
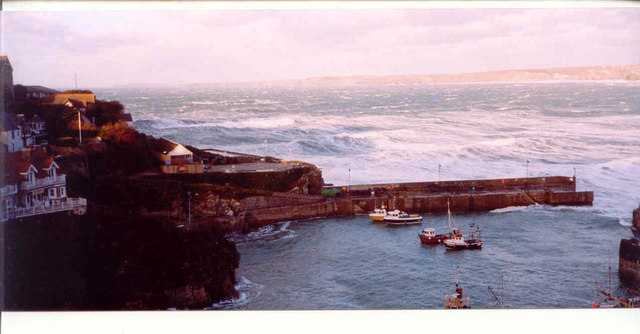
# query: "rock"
[[192, 297]]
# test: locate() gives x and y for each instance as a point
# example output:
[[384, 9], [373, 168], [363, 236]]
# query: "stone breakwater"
[[629, 261], [428, 197]]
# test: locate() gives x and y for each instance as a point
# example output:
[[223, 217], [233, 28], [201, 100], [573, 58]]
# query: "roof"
[[10, 121], [4, 60], [13, 166], [162, 145], [63, 97], [36, 119], [40, 89], [76, 103], [17, 164]]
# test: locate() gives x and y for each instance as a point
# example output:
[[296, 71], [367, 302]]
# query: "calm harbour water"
[[550, 256]]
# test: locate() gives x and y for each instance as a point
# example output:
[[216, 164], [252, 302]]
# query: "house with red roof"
[[34, 184]]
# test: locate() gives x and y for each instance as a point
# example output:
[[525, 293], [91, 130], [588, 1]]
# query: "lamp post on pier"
[[349, 184], [527, 167], [439, 166]]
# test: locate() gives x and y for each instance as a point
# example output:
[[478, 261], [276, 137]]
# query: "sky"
[[107, 48]]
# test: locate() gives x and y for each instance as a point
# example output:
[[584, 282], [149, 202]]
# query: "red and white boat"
[[458, 242], [429, 236], [457, 301]]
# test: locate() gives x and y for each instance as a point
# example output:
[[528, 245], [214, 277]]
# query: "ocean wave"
[[510, 209], [625, 222], [268, 233], [247, 291], [260, 123], [207, 102]]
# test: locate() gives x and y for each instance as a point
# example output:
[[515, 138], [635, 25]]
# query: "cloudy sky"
[[174, 47]]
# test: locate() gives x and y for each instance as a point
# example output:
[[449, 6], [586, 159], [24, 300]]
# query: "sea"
[[533, 257]]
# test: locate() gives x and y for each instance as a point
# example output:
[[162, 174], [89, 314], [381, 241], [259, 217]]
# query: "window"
[[52, 192], [52, 172], [62, 192], [31, 177]]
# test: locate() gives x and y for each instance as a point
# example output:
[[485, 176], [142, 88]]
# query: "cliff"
[[108, 260], [628, 72], [629, 263], [635, 223]]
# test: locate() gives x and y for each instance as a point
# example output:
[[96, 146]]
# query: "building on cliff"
[[32, 93], [71, 99], [175, 158], [17, 133], [7, 96], [34, 184]]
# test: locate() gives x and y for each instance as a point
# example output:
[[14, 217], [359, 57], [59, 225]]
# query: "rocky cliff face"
[[109, 261], [636, 219], [629, 263]]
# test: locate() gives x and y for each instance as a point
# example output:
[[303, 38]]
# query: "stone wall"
[[629, 263], [433, 204], [465, 186]]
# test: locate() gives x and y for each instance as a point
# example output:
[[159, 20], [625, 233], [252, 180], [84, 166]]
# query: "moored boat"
[[378, 214], [401, 218], [456, 301], [429, 236], [458, 242]]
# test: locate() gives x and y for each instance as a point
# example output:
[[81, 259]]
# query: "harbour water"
[[551, 257]]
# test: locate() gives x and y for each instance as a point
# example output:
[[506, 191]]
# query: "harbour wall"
[[636, 219], [468, 202], [458, 186], [629, 263]]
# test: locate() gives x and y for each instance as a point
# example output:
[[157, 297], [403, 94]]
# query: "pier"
[[427, 197]]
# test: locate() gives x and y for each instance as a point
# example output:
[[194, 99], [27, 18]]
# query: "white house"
[[11, 133], [34, 185], [172, 153]]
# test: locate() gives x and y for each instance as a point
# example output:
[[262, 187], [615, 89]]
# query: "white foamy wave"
[[510, 209], [206, 102], [625, 222], [247, 291], [260, 123], [268, 233]]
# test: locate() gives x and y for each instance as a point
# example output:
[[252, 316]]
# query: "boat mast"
[[449, 216]]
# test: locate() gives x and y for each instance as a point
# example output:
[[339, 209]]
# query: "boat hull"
[[402, 221], [376, 218], [466, 245], [435, 240]]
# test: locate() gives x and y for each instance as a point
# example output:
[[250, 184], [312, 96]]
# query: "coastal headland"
[[153, 236]]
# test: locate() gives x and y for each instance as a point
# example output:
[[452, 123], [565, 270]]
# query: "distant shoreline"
[[621, 73]]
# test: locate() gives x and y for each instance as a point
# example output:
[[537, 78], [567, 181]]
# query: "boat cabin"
[[429, 232]]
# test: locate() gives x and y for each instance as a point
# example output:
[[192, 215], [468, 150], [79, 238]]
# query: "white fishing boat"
[[429, 236], [458, 242], [399, 218]]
